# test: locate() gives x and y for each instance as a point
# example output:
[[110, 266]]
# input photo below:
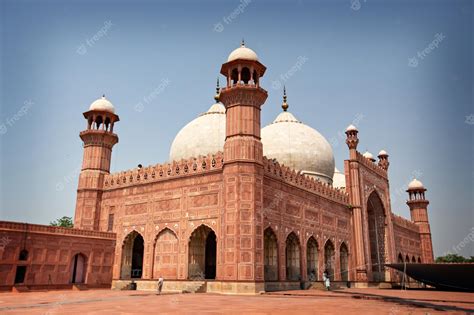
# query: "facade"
[[246, 208], [39, 256]]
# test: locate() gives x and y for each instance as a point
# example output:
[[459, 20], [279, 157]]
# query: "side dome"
[[416, 184], [339, 179], [103, 104], [298, 146], [201, 136], [244, 53]]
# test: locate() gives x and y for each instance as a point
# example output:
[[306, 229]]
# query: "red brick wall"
[[50, 254], [288, 209], [407, 238]]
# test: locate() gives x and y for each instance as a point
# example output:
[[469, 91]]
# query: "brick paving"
[[353, 301]]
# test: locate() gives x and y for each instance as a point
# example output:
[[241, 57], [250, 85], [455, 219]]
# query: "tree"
[[63, 222], [453, 258]]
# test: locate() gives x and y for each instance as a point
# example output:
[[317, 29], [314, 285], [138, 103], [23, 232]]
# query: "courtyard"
[[348, 301]]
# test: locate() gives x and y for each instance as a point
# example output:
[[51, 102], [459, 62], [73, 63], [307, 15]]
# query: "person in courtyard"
[[160, 284], [327, 281]]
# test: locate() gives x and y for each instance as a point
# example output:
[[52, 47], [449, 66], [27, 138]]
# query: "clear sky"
[[402, 69]]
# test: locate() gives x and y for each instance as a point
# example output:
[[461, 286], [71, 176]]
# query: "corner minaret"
[[241, 258], [353, 187], [419, 215], [383, 160], [98, 141]]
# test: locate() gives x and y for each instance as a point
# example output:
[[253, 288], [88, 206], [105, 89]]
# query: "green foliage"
[[63, 222], [454, 258]]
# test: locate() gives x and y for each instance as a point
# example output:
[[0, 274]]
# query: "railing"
[[158, 172], [38, 228], [290, 176], [371, 165]]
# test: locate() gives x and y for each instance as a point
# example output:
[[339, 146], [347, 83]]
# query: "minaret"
[[353, 187], [383, 160], [98, 141], [242, 229], [419, 215]]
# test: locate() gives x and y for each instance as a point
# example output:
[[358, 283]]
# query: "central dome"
[[298, 146], [203, 135]]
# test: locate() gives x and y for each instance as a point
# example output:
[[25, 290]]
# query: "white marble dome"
[[416, 184], [203, 135], [339, 179], [298, 146], [244, 53], [102, 104]]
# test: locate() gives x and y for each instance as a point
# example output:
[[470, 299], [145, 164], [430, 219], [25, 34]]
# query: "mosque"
[[237, 209]]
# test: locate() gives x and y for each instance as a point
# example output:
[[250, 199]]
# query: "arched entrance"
[[132, 256], [202, 254], [166, 255], [400, 258], [344, 262], [312, 259], [293, 271], [271, 255], [329, 259], [376, 221], [78, 268]]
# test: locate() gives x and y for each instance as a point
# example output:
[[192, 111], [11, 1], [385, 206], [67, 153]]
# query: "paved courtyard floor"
[[349, 301]]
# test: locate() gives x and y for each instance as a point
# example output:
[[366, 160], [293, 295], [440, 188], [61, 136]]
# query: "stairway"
[[196, 287]]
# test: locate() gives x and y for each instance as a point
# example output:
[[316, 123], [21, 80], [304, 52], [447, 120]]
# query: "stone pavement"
[[349, 301]]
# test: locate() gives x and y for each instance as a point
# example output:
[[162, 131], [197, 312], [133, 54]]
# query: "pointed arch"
[[270, 242], [78, 268], [407, 258], [344, 261], [132, 256], [202, 253], [400, 258], [165, 254], [376, 225], [312, 254], [329, 258], [293, 261]]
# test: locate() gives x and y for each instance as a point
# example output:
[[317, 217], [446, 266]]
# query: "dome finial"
[[285, 104], [216, 97], [103, 95], [242, 43]]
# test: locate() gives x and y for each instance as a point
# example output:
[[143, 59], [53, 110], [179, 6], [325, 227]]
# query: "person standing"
[[327, 281], [160, 284]]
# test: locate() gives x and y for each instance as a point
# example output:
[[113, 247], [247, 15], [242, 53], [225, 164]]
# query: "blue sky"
[[59, 56]]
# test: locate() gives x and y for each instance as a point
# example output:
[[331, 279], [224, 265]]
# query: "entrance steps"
[[20, 289], [79, 287], [335, 285], [196, 287]]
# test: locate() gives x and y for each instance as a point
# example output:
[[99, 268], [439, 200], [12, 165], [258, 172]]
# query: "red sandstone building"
[[246, 208]]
